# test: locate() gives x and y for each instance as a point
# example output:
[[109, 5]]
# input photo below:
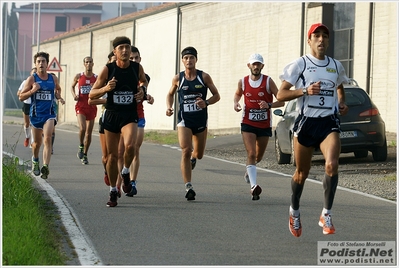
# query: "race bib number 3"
[[325, 100]]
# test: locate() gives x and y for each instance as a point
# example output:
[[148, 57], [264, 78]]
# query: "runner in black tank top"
[[124, 82]]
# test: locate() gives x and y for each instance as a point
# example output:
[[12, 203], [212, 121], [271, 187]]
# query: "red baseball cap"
[[315, 26]]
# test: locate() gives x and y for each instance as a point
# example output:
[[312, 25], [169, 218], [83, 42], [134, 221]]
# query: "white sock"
[[251, 170], [27, 132], [326, 211], [113, 189], [294, 212], [189, 186], [125, 170]]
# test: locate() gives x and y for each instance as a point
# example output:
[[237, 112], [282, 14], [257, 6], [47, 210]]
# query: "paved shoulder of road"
[[223, 226]]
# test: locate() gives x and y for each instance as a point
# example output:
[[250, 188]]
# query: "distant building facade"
[[55, 19], [58, 18]]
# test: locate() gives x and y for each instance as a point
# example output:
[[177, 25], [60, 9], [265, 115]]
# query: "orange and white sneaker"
[[326, 222], [295, 225]]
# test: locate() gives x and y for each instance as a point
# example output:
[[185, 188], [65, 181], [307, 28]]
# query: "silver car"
[[362, 129]]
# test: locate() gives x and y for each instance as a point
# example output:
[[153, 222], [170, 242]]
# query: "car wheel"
[[361, 153], [380, 153], [292, 158], [282, 158]]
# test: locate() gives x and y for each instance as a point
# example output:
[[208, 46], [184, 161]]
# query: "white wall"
[[225, 34], [156, 40], [384, 72]]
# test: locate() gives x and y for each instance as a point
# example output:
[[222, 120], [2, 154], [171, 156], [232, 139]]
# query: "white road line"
[[290, 175]]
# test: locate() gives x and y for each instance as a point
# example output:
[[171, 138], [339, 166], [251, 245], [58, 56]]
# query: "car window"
[[355, 97], [293, 105], [290, 106]]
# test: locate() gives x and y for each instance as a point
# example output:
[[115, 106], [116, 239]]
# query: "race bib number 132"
[[123, 99]]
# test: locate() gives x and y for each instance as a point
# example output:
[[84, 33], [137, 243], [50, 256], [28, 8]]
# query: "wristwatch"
[[144, 91], [207, 103], [305, 91]]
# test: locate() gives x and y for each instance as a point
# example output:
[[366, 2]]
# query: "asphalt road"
[[223, 226]]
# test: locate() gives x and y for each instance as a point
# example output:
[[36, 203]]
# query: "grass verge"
[[157, 137], [13, 112], [391, 177], [30, 236]]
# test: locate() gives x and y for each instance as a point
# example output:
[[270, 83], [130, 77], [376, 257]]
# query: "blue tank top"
[[188, 92], [43, 99]]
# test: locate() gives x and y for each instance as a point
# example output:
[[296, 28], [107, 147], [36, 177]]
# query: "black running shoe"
[[133, 191], [190, 195], [126, 186], [255, 192], [193, 163], [113, 199], [85, 161], [80, 152], [45, 172]]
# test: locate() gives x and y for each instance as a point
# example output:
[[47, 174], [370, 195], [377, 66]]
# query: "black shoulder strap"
[[301, 75], [181, 78], [111, 70]]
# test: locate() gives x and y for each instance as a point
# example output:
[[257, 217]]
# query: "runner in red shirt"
[[84, 112], [256, 123]]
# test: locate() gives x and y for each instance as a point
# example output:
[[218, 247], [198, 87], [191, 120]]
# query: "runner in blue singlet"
[[192, 86], [42, 88]]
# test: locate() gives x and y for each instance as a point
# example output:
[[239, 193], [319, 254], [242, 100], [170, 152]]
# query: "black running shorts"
[[26, 108], [312, 131], [114, 121], [260, 132]]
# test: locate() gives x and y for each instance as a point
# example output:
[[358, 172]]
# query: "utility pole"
[[33, 24], [5, 55], [38, 28]]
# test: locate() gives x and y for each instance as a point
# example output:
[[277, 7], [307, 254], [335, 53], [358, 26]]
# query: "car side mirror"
[[278, 112]]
